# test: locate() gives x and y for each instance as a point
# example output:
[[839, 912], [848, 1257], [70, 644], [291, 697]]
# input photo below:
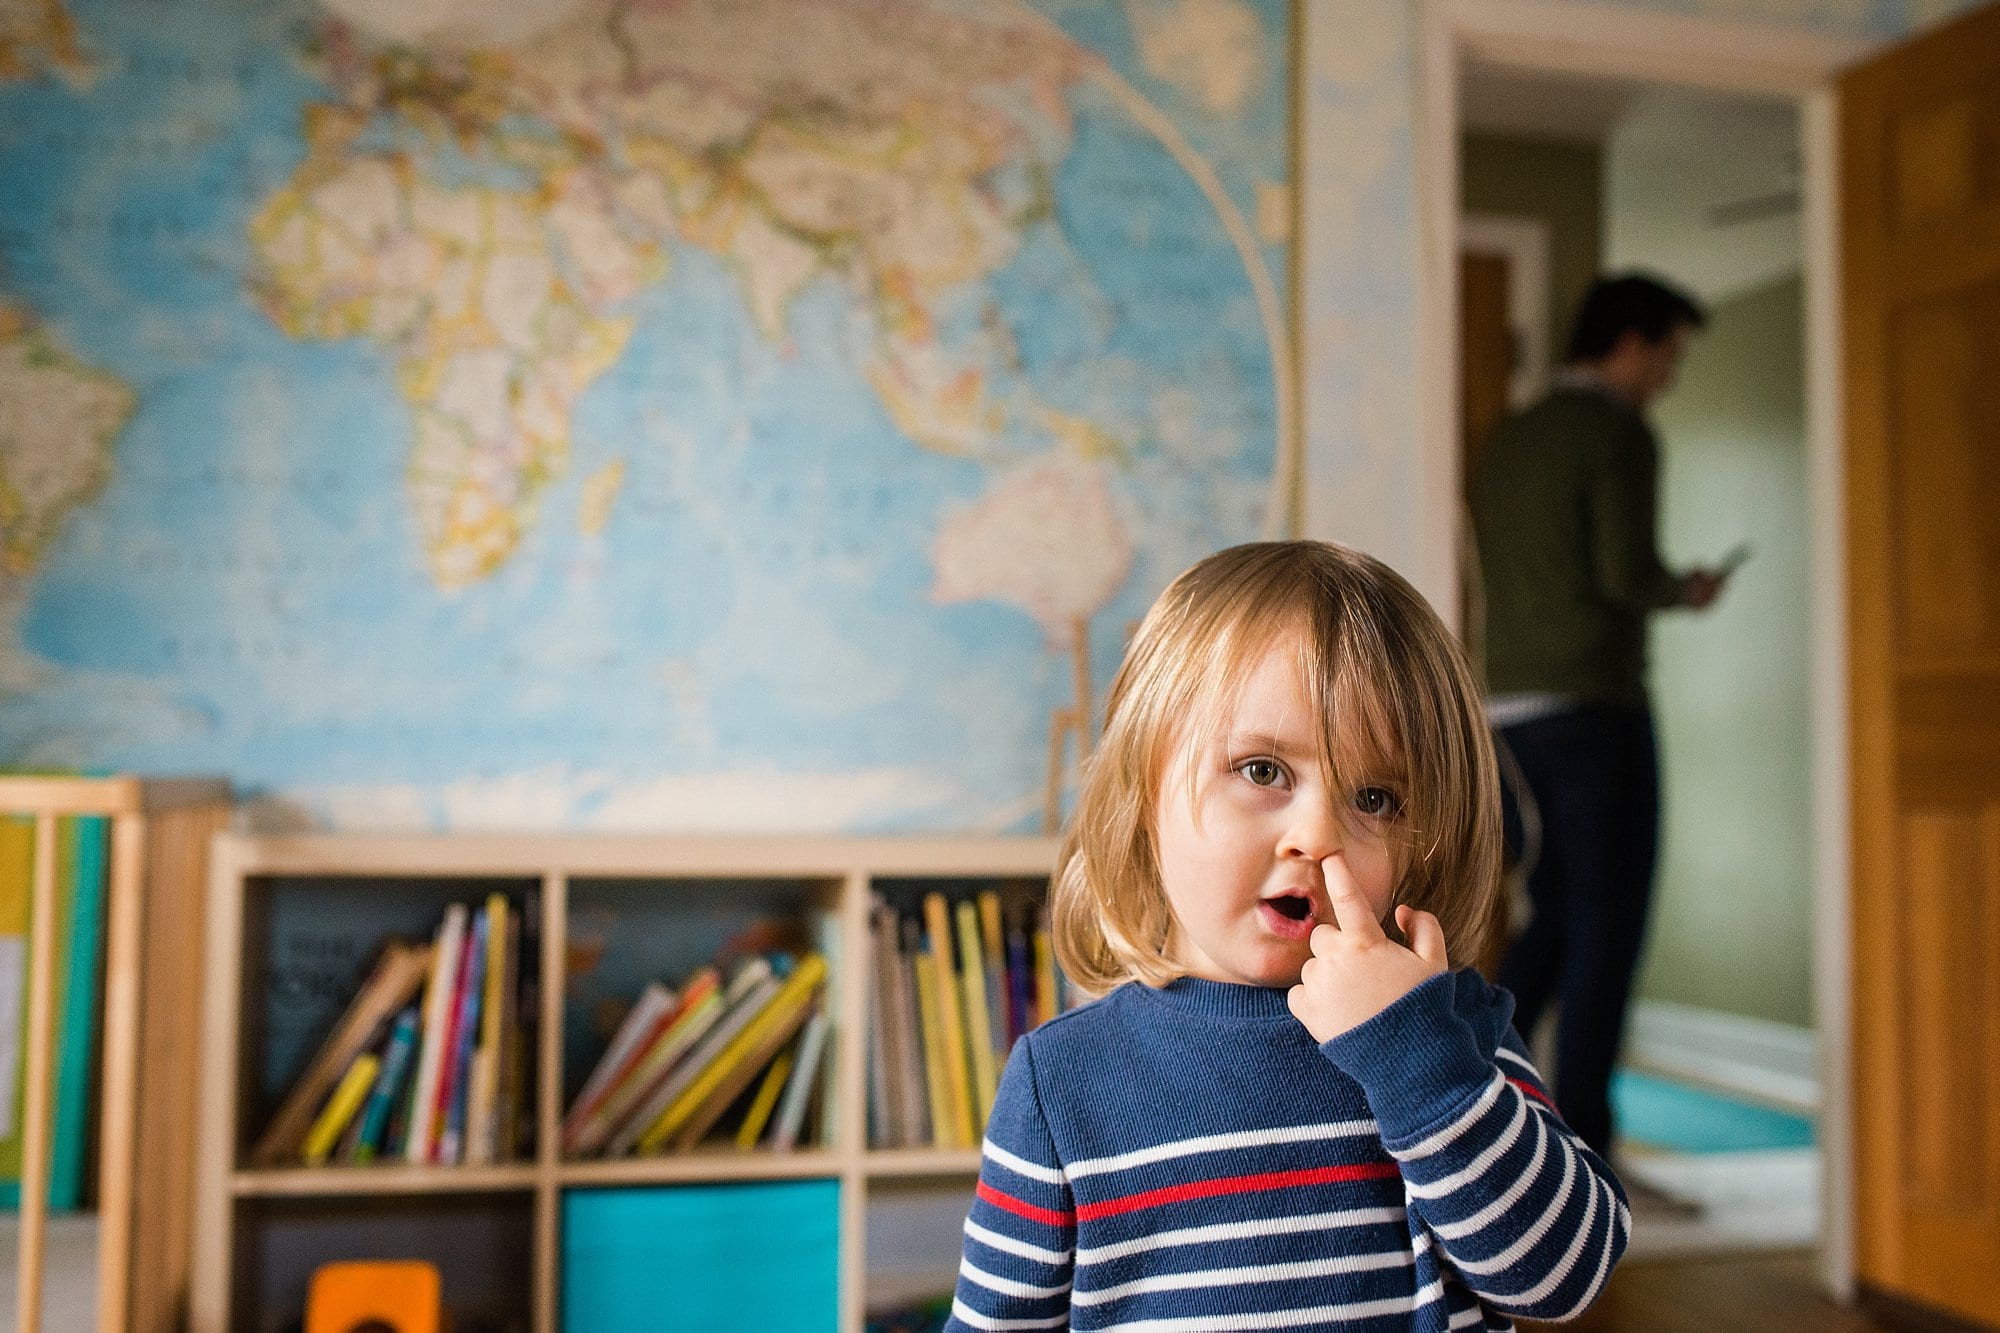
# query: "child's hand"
[[1356, 970]]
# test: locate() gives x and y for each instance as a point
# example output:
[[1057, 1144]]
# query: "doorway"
[[1588, 62]]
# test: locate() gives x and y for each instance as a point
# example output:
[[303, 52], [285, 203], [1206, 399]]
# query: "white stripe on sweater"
[[1560, 1273], [1021, 1166], [1248, 1273], [1253, 1138], [1603, 1260], [1263, 1226], [1492, 1211], [1450, 1132], [1443, 1185], [1263, 1319], [965, 1314], [1533, 1236], [1007, 1286], [1527, 1067], [999, 1241]]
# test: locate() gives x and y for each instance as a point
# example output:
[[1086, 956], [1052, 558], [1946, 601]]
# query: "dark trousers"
[[1594, 773]]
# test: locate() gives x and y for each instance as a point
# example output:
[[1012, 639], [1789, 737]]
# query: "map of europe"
[[622, 413]]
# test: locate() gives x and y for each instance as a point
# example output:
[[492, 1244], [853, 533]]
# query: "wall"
[[1732, 924], [1559, 184]]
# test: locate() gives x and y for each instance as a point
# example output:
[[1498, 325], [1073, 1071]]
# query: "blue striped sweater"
[[1187, 1158]]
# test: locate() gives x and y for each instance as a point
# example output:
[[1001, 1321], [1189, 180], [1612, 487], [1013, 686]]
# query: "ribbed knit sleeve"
[[1529, 1218], [1020, 1236]]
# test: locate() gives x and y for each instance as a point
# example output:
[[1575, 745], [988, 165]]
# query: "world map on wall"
[[646, 413]]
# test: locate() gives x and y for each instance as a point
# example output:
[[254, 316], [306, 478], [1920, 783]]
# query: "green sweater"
[[1563, 504]]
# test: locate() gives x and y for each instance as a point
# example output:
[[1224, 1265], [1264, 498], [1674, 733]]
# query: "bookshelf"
[[150, 927], [631, 905]]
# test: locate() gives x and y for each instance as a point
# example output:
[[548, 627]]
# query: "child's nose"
[[1314, 833]]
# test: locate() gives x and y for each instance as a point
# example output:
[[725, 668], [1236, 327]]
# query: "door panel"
[[1920, 216]]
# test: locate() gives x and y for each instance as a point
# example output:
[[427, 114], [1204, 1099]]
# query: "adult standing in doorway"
[[1564, 505]]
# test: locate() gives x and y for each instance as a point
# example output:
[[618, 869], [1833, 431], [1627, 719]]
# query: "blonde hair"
[[1395, 695]]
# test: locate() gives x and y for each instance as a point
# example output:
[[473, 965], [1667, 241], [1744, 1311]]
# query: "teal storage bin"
[[758, 1256]]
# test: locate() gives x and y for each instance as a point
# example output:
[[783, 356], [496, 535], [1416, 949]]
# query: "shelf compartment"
[[310, 942], [481, 1244], [625, 933]]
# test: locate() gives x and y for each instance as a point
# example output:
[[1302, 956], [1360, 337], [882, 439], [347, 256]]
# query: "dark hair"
[[1631, 302]]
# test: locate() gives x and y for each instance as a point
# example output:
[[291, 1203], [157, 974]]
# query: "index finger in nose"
[[1351, 911]]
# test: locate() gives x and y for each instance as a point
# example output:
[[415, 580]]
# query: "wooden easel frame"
[[159, 832]]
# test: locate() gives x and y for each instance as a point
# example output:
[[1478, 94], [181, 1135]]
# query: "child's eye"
[[1262, 772], [1378, 803]]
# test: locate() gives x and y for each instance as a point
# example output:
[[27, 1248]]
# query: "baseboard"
[[1754, 1057]]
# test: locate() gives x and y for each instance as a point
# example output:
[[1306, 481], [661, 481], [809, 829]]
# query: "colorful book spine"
[[994, 944], [978, 1033], [481, 1111], [704, 1004], [464, 1027], [749, 991], [951, 1023], [641, 1027], [783, 1002], [340, 1108], [1047, 1006], [764, 1102], [916, 1094], [396, 1058], [438, 999], [944, 1123], [805, 1078], [1020, 984]]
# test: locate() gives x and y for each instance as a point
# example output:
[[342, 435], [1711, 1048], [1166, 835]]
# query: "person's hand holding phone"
[[1702, 586]]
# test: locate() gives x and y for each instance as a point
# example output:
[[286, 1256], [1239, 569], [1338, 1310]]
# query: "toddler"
[[1285, 1110]]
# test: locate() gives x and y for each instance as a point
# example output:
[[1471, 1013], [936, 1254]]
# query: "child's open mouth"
[[1289, 915]]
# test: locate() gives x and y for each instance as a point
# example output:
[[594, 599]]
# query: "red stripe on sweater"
[[1534, 1092], [1022, 1208], [1208, 1189]]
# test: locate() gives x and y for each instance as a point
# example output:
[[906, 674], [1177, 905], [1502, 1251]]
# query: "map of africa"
[[645, 413]]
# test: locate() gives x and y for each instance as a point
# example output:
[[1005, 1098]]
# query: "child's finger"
[[1351, 911], [1425, 933]]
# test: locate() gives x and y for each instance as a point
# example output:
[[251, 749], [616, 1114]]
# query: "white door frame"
[[1571, 37]]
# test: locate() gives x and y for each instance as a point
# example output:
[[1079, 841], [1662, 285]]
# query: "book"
[[716, 1083], [482, 1109], [438, 998], [888, 1059], [704, 1003], [85, 871], [1047, 1006], [1020, 982], [641, 1024], [995, 944], [340, 1108], [805, 1077], [951, 1023], [396, 1059], [516, 1023], [762, 1104], [944, 1124], [752, 985], [916, 1096], [398, 972], [454, 1096], [978, 1032]]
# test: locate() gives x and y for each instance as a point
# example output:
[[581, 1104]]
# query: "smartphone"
[[1734, 560]]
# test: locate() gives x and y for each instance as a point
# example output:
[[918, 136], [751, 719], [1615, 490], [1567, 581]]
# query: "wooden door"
[[1920, 208]]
